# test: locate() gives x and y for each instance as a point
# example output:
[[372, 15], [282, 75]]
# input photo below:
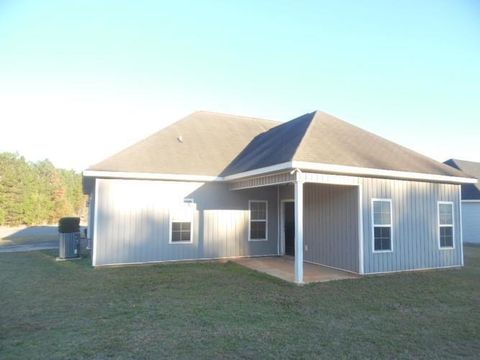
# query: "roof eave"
[[302, 165], [149, 176], [353, 171]]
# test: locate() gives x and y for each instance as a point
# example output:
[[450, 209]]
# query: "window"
[[181, 231], [181, 219], [258, 220], [445, 225], [382, 225]]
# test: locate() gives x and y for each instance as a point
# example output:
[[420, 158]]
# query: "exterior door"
[[289, 227]]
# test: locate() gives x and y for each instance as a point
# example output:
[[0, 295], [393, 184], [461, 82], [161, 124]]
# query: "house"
[[470, 200], [317, 188]]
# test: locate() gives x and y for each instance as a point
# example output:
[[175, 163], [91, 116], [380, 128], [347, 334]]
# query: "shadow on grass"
[[29, 235]]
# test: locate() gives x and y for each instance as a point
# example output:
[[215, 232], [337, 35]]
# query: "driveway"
[[29, 238], [29, 247]]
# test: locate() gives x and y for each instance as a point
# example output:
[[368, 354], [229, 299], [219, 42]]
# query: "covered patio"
[[282, 267], [323, 226]]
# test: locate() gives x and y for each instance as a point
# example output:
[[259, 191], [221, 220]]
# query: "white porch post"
[[299, 228]]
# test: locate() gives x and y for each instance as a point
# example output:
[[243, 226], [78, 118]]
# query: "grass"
[[51, 310]]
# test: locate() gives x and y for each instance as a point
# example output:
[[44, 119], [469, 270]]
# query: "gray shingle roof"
[[209, 142], [219, 145], [471, 169], [275, 146], [322, 138]]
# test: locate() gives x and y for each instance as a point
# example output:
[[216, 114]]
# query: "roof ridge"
[[466, 161], [313, 113], [234, 116]]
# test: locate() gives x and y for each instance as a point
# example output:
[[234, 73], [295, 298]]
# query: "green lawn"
[[220, 310]]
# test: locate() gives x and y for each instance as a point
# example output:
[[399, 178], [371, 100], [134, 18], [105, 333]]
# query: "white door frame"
[[282, 224]]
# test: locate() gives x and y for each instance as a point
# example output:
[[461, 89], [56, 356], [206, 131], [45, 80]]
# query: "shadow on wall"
[[136, 229], [224, 219], [143, 236]]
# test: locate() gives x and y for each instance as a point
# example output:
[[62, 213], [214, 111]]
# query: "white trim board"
[[262, 185], [361, 171], [418, 269], [149, 176], [257, 220], [278, 222], [461, 225], [352, 170], [361, 260], [372, 212], [183, 213], [331, 267], [303, 165], [153, 262], [95, 225], [452, 225], [471, 201]]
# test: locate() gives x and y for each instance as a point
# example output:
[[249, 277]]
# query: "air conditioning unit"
[[69, 238]]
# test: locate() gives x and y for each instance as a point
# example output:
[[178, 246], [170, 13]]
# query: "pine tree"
[[35, 193]]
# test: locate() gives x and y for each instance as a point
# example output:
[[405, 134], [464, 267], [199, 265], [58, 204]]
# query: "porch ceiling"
[[288, 177]]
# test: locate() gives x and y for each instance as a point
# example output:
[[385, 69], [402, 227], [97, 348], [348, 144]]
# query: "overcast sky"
[[80, 80]]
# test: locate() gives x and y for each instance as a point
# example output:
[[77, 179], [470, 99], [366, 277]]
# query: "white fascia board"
[[471, 201], [303, 165], [360, 171], [260, 171], [149, 176]]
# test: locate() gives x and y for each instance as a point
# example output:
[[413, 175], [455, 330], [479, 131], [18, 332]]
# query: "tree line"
[[37, 192]]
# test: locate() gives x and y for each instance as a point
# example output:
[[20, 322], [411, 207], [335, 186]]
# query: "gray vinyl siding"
[[471, 222], [415, 225], [331, 230], [331, 226], [133, 221]]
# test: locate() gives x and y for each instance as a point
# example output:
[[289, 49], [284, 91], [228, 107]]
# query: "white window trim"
[[390, 226], [170, 242], [446, 225], [250, 220]]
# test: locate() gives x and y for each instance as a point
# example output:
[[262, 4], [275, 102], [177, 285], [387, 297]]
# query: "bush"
[[69, 225]]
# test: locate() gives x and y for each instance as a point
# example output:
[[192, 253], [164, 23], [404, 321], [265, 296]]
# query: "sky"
[[81, 80]]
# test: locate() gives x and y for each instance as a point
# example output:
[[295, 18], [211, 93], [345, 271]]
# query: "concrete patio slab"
[[283, 268]]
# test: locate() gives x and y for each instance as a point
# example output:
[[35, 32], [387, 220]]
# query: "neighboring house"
[[470, 200], [317, 188]]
